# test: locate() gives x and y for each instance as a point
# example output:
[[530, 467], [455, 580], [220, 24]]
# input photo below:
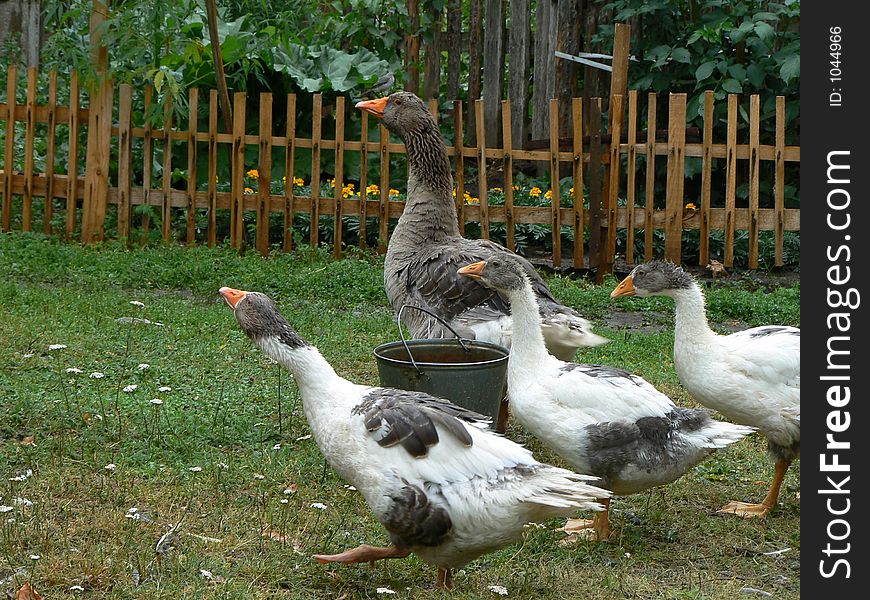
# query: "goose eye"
[[397, 101]]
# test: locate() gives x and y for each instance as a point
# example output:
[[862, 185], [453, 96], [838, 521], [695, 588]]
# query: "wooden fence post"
[[337, 227], [166, 209], [706, 176], [649, 200], [289, 173], [264, 174], [506, 120], [596, 153], [459, 155], [579, 221], [779, 182], [99, 133], [676, 171], [237, 203], [125, 101], [480, 123], [50, 153], [9, 154], [615, 126], [211, 236], [317, 118], [754, 164], [363, 178], [631, 177], [555, 216], [29, 135], [730, 180], [192, 127]]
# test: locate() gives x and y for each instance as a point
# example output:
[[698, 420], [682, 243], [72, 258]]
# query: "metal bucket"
[[470, 373]]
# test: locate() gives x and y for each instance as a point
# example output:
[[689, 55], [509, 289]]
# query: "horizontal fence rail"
[[612, 169]]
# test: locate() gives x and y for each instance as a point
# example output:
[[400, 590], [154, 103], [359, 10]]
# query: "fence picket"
[[779, 182], [676, 173], [237, 203], [596, 152], [166, 208], [264, 174], [147, 161], [617, 103], [754, 164], [289, 173], [730, 180], [577, 163], [211, 234], [29, 137], [459, 154], [192, 127], [363, 178], [631, 175], [50, 142], [507, 141], [316, 124], [9, 154], [556, 221], [482, 185], [649, 201], [125, 116], [383, 206], [706, 183], [339, 176]]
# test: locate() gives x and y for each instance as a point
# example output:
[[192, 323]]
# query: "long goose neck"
[[691, 314], [313, 374], [527, 340], [430, 212]]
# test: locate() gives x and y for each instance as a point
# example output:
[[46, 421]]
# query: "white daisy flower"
[[276, 447], [258, 476], [28, 355], [5, 509], [498, 589], [130, 388], [75, 588], [156, 401], [97, 375], [164, 388], [318, 505], [56, 346], [284, 501], [137, 303], [74, 370], [142, 366], [35, 557], [23, 477], [111, 467], [222, 465], [195, 469], [22, 502], [383, 590]]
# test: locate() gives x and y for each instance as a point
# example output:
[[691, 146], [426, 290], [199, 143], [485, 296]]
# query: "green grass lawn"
[[219, 492]]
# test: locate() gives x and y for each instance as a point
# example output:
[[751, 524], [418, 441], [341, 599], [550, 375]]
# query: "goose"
[[426, 248], [442, 484], [751, 377], [601, 420]]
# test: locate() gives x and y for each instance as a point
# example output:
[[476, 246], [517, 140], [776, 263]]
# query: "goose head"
[[654, 278], [403, 113], [259, 318], [502, 273]]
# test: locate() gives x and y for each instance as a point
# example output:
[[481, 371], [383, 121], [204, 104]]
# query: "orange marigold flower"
[[249, 190], [253, 174]]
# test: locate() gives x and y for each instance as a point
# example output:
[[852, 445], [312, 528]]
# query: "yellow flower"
[[332, 182], [516, 187], [253, 174], [454, 192], [549, 194], [372, 189], [496, 190], [691, 206], [571, 190], [349, 186], [249, 190], [394, 192], [347, 190], [535, 191], [298, 181], [471, 200], [215, 178]]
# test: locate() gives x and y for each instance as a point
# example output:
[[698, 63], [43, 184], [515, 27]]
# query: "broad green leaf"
[[732, 86], [681, 55], [705, 70], [765, 31], [791, 68]]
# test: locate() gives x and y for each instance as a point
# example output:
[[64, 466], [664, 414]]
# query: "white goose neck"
[[527, 340], [691, 314], [311, 371]]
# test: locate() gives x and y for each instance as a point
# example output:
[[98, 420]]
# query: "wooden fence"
[[595, 158]]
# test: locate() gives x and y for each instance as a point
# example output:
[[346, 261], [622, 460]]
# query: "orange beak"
[[474, 270], [375, 107], [232, 296], [625, 288]]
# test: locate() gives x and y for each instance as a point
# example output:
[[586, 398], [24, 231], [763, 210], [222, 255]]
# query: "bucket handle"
[[431, 314]]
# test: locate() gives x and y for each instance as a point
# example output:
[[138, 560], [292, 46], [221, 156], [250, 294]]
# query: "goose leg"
[[596, 529], [444, 581], [363, 553], [750, 511]]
